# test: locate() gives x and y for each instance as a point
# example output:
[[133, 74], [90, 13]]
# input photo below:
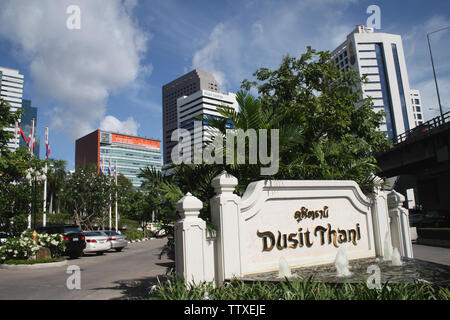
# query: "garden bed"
[[297, 289], [34, 264]]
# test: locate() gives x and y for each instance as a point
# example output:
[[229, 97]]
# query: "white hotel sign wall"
[[305, 222]]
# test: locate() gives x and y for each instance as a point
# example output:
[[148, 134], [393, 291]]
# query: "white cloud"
[[76, 70], [112, 124], [418, 60], [238, 46]]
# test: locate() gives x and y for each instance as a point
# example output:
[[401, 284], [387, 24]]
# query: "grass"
[[296, 289], [31, 262]]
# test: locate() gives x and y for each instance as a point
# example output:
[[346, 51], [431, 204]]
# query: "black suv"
[[73, 236]]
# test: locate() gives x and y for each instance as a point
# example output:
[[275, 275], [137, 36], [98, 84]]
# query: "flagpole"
[[115, 177], [110, 211], [16, 132], [31, 146], [44, 216]]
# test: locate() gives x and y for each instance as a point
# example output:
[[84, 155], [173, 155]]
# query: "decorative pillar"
[[401, 237], [225, 216], [380, 217], [190, 241]]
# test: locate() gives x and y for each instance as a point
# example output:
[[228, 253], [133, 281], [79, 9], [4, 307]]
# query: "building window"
[[400, 86]]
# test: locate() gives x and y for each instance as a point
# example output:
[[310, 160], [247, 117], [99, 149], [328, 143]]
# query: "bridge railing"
[[423, 128]]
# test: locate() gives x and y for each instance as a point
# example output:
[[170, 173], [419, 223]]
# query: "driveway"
[[115, 275]]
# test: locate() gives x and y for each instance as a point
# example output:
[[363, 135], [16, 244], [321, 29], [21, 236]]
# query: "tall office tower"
[[11, 90], [380, 56], [29, 113], [129, 152], [417, 107], [202, 104], [184, 86]]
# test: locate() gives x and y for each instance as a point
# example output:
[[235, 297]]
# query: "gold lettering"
[[300, 237], [294, 241], [352, 236], [342, 236], [358, 231], [279, 246], [322, 234], [332, 232], [265, 236], [307, 240]]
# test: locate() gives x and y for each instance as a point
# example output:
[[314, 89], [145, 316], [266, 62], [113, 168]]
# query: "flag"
[[47, 146], [115, 171], [109, 168], [22, 134], [101, 165], [31, 140]]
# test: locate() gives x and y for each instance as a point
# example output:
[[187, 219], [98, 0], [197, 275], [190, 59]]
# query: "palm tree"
[[56, 181]]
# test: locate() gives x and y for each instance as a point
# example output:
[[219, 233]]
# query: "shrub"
[[296, 289], [24, 248], [134, 234]]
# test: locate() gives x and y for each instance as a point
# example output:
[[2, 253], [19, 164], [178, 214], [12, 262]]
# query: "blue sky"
[[109, 73]]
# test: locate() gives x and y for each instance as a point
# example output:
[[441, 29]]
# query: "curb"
[[34, 266], [142, 240]]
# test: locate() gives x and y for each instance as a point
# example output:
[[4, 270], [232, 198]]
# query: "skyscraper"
[[184, 86], [203, 103], [29, 113], [129, 152], [380, 56], [11, 90], [417, 107]]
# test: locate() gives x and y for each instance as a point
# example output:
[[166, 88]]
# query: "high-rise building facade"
[[29, 114], [129, 152], [11, 90], [417, 107], [380, 57], [203, 104], [184, 86]]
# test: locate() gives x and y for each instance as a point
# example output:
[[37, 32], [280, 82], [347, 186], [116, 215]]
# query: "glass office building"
[[130, 153], [29, 114]]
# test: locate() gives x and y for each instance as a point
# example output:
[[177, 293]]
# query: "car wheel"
[[119, 249], [99, 253]]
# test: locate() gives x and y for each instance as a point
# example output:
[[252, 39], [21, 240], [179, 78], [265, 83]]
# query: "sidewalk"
[[432, 254]]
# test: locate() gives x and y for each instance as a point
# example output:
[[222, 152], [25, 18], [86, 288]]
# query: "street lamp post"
[[434, 70], [33, 177]]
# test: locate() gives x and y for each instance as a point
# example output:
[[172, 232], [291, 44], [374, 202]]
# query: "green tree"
[[56, 180], [327, 131], [7, 119], [139, 209], [15, 191], [89, 196]]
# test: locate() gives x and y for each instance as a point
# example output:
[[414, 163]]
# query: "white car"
[[96, 242]]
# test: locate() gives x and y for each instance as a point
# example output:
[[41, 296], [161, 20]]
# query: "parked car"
[[416, 218], [118, 241], [73, 236], [97, 242], [435, 219]]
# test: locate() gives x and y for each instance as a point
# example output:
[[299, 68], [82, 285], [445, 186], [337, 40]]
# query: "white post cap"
[[224, 183], [189, 206]]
